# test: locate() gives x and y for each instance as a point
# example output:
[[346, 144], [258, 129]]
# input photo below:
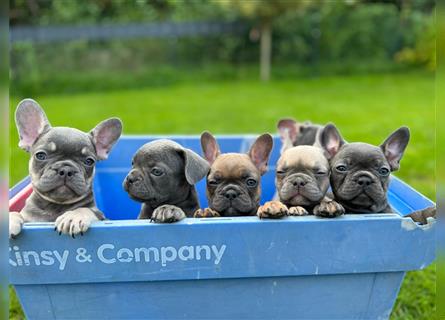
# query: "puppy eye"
[[320, 173], [213, 182], [251, 182], [89, 161], [156, 172], [40, 155], [341, 168], [281, 172], [384, 171]]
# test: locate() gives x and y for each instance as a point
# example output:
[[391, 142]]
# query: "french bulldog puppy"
[[233, 182], [293, 133], [162, 177], [62, 169], [302, 180], [360, 171]]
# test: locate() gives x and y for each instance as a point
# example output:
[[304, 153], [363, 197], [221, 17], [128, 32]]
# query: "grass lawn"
[[366, 108]]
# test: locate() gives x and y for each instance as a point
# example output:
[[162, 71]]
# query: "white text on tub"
[[110, 254]]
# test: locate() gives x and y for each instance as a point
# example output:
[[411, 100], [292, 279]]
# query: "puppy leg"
[[75, 221], [206, 213], [167, 214], [16, 221], [297, 211], [272, 210], [328, 208]]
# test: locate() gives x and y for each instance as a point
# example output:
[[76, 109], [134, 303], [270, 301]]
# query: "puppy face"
[[302, 177], [233, 182], [161, 170], [233, 185], [360, 172], [62, 159]]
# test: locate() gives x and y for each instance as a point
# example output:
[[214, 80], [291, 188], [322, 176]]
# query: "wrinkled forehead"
[[65, 140], [361, 153], [153, 154], [303, 156], [233, 165]]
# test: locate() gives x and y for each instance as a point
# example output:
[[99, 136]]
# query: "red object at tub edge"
[[17, 202]]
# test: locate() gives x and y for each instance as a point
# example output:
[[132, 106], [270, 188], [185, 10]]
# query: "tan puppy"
[[233, 182], [302, 180]]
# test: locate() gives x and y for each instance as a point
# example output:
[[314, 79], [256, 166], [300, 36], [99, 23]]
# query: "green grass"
[[365, 108]]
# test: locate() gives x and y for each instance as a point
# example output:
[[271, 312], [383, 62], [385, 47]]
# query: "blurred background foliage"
[[309, 38]]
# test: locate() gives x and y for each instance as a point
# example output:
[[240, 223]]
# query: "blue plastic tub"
[[350, 267]]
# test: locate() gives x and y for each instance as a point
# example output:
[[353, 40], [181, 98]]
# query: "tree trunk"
[[265, 49]]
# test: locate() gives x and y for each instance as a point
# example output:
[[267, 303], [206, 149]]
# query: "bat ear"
[[196, 167], [31, 122], [288, 130], [210, 147], [260, 151], [394, 146], [330, 140], [105, 135]]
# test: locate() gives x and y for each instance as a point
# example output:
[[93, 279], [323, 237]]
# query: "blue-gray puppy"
[[162, 177], [62, 169]]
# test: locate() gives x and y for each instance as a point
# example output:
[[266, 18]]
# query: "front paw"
[[297, 211], [206, 213], [272, 210], [329, 209], [75, 222], [167, 214], [15, 224]]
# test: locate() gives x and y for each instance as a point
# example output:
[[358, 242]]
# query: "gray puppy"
[[294, 133], [62, 169], [234, 180], [360, 172], [162, 177], [302, 180]]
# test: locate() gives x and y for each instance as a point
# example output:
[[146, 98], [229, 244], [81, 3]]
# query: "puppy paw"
[[297, 211], [272, 210], [167, 214], [329, 209], [206, 213], [15, 224], [75, 222]]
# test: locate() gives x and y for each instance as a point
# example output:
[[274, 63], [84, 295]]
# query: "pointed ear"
[[260, 151], [288, 129], [31, 122], [105, 135], [394, 146], [210, 147], [196, 167], [330, 140]]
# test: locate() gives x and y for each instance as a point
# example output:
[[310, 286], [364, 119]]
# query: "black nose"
[[231, 194], [364, 180], [66, 171], [299, 182], [132, 178]]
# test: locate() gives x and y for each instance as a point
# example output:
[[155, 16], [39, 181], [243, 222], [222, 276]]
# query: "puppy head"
[[360, 171], [62, 159], [302, 177], [293, 133], [160, 170], [233, 182]]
